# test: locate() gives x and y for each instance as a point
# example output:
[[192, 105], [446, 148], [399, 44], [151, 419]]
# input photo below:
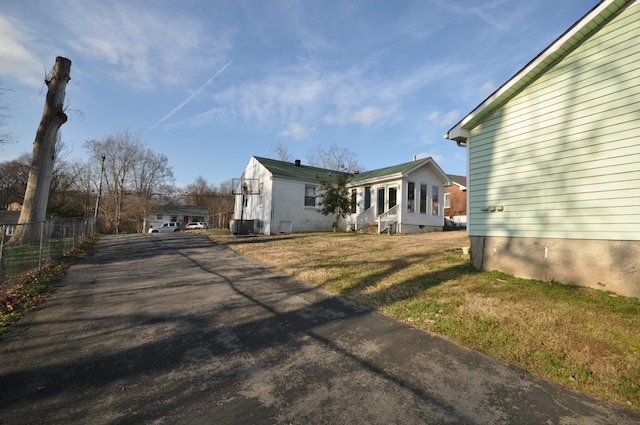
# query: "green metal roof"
[[386, 171], [302, 172], [308, 173], [181, 210]]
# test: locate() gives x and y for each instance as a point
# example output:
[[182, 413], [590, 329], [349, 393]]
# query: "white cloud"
[[367, 116], [495, 13], [199, 119], [487, 88], [16, 58], [190, 97], [143, 46], [444, 119], [297, 131]]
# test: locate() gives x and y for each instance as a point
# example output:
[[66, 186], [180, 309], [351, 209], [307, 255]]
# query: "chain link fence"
[[56, 237]]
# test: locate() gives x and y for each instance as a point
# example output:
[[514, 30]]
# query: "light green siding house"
[[554, 159]]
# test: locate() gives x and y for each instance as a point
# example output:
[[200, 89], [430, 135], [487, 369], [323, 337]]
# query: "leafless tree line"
[[135, 181]]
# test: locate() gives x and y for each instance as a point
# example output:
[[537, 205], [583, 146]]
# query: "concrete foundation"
[[415, 228], [606, 265]]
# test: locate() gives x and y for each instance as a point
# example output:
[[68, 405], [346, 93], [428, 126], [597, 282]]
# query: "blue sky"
[[209, 83]]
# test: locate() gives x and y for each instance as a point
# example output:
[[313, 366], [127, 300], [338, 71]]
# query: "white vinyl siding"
[[562, 157]]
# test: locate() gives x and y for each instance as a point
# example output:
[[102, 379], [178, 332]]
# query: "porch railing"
[[365, 218], [388, 220]]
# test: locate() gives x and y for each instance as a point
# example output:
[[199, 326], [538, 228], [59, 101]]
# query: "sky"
[[209, 83]]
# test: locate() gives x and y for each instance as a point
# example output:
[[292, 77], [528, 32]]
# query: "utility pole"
[[95, 214]]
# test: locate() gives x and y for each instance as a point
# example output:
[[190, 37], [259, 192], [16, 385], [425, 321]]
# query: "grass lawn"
[[581, 338]]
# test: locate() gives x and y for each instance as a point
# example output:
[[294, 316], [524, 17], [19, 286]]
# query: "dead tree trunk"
[[34, 207]]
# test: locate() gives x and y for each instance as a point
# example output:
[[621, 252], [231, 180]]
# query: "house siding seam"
[[560, 156]]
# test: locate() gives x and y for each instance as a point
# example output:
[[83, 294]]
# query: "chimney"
[[297, 162]]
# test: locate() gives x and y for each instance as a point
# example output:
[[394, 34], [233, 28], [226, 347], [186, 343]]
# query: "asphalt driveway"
[[173, 329]]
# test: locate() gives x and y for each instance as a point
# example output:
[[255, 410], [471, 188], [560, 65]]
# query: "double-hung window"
[[435, 201], [309, 196], [354, 201], [411, 198], [423, 199]]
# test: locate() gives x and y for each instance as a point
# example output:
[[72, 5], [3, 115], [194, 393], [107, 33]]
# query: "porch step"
[[371, 228]]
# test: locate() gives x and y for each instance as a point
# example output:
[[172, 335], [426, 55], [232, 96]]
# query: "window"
[[174, 218], [354, 201], [411, 198], [392, 197], [367, 197], [447, 200], [159, 217], [435, 201], [309, 196], [381, 201], [423, 199]]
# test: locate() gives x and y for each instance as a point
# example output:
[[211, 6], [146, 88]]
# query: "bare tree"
[[5, 136], [283, 153], [334, 158], [14, 176], [68, 197], [84, 185], [121, 152], [133, 175], [151, 173], [34, 207], [218, 200]]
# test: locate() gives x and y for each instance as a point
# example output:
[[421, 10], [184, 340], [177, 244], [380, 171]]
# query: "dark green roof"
[[302, 172], [387, 171], [308, 173], [181, 210]]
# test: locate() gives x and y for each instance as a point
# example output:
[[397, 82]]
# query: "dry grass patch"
[[581, 338]]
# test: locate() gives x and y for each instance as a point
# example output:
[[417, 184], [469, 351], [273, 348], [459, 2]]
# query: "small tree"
[[336, 199]]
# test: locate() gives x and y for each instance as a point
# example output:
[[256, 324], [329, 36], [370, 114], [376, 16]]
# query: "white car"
[[195, 225], [166, 227]]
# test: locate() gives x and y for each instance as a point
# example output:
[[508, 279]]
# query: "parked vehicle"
[[195, 225], [166, 227]]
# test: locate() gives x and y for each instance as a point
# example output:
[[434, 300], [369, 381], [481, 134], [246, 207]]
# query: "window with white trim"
[[423, 199], [435, 200], [309, 196], [411, 197]]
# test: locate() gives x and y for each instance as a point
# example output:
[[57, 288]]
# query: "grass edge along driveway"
[[581, 338]]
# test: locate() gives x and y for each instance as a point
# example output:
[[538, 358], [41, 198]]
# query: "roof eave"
[[574, 35]]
